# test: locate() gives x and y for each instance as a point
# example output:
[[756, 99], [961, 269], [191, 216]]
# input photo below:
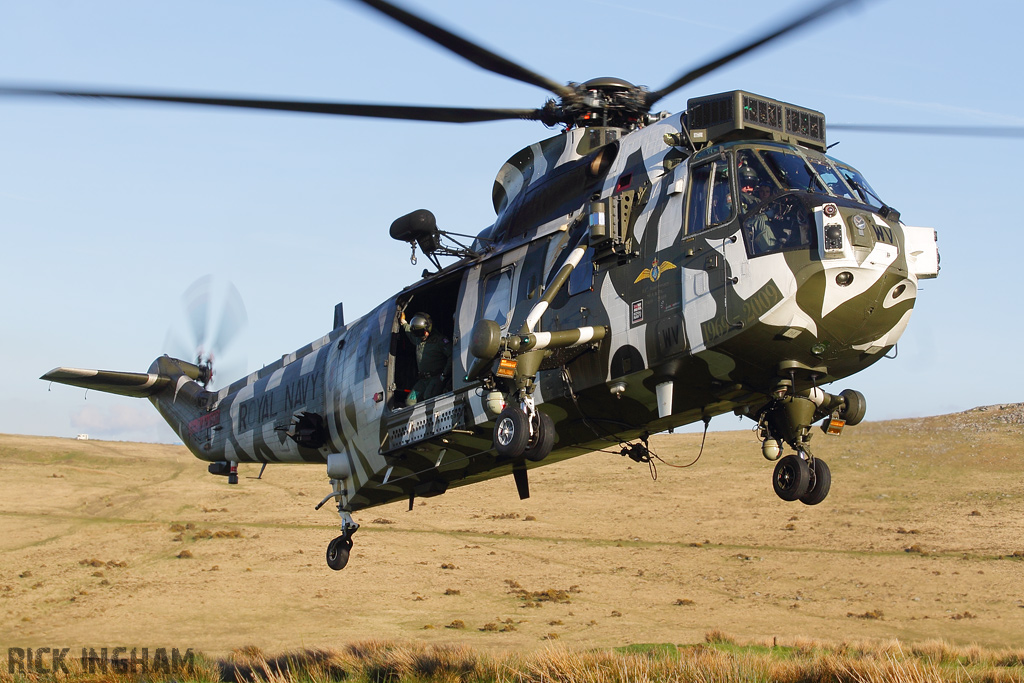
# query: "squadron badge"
[[655, 271]]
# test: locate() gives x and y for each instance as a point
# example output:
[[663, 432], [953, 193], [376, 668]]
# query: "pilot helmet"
[[420, 324], [748, 177]]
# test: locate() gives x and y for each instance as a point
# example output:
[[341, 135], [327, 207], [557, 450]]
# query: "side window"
[[721, 195], [581, 279], [699, 180], [711, 201], [497, 296]]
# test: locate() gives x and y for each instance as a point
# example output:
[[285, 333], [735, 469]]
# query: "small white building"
[[82, 437]]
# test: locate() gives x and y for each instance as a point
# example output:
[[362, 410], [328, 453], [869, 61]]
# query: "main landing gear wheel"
[[821, 482], [792, 478], [544, 440], [338, 551], [511, 433]]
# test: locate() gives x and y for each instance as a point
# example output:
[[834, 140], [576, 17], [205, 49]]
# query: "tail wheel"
[[544, 439], [337, 552], [821, 482], [856, 406], [511, 433], [792, 477]]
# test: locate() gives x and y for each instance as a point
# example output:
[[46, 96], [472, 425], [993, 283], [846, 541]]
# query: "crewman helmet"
[[420, 324]]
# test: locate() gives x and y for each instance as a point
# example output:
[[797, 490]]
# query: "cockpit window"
[[699, 178], [711, 201], [721, 195], [791, 170], [831, 177], [780, 224], [497, 297], [763, 174], [864, 191], [777, 189]]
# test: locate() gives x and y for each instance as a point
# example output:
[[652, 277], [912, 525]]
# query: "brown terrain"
[[109, 544]]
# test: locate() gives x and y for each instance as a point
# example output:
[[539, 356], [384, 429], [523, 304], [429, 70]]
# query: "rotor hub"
[[605, 101]]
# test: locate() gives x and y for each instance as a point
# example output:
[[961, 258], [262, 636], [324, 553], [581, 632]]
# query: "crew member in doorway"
[[433, 358]]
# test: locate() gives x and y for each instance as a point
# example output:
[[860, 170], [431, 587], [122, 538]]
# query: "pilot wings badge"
[[655, 271]]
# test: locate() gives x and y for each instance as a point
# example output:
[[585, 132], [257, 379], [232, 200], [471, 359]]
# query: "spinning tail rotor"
[[214, 315]]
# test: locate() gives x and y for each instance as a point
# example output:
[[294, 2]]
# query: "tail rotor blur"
[[213, 316]]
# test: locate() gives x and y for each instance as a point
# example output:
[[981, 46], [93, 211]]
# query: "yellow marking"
[[655, 272], [506, 368]]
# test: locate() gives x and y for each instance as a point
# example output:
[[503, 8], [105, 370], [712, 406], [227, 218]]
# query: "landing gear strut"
[[338, 550], [787, 419], [821, 482]]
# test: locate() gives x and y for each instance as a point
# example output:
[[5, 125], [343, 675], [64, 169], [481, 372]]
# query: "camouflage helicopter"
[[644, 271]]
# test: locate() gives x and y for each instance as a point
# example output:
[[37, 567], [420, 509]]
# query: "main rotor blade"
[[694, 74], [953, 131], [377, 111], [467, 49]]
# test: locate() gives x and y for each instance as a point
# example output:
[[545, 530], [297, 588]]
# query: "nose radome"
[[865, 307]]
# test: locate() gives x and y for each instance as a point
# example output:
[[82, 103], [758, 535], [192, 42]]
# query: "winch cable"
[[636, 452]]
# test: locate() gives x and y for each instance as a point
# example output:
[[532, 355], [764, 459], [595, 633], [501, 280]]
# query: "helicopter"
[[645, 271]]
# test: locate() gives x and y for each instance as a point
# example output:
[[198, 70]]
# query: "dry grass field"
[[123, 544]]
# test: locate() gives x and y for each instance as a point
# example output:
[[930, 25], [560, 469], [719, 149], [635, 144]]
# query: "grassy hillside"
[[110, 544]]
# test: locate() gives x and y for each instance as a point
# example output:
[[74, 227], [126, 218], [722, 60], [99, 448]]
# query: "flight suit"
[[433, 363], [764, 239]]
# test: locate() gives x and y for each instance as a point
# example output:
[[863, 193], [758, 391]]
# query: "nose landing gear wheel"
[[792, 478], [821, 482], [337, 552]]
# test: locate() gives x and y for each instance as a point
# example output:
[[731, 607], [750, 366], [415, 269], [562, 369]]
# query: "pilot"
[[752, 177], [760, 225], [748, 185], [795, 231], [433, 358], [721, 206]]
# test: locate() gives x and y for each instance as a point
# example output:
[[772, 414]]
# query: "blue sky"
[[109, 211]]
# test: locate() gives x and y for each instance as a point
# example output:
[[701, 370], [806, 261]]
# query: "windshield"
[[766, 170], [865, 193], [756, 176], [779, 188], [832, 178], [791, 170]]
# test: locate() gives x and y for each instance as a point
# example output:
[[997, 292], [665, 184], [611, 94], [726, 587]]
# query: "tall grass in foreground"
[[720, 660]]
